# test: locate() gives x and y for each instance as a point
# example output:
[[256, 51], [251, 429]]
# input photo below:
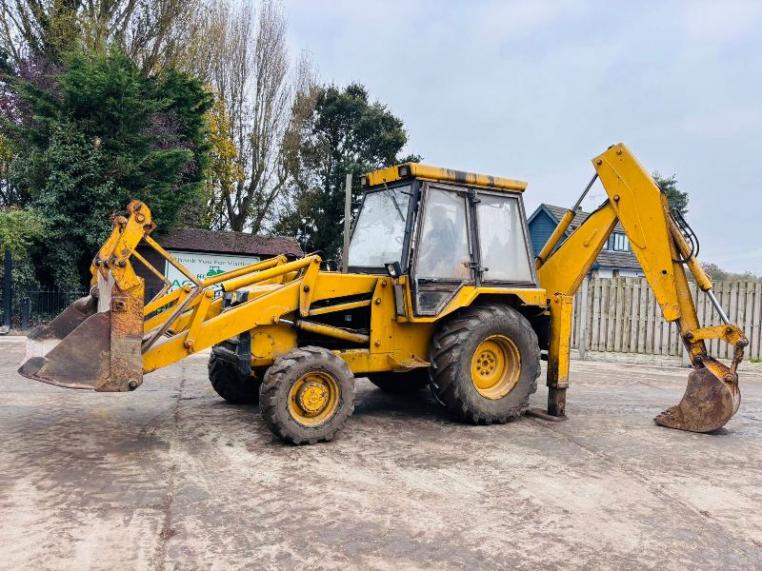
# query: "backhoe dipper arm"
[[635, 201]]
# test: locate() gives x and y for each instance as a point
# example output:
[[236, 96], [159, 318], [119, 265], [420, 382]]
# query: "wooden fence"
[[621, 315]]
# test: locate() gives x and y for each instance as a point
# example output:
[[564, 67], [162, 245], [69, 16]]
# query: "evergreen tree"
[[94, 134], [341, 132], [678, 200]]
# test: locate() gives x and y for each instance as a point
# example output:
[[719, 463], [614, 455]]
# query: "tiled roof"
[[558, 211], [621, 260], [198, 240], [607, 258]]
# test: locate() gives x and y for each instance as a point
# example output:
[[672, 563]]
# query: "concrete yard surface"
[[172, 477]]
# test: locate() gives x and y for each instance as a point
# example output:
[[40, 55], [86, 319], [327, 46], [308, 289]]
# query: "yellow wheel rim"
[[313, 398], [495, 367]]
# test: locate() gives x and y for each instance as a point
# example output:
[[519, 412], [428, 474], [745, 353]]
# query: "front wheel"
[[307, 395], [484, 364]]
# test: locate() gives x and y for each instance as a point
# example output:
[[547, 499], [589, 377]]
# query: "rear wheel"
[[407, 383], [307, 395], [485, 364], [230, 384]]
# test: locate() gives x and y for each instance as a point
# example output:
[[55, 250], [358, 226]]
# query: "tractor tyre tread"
[[230, 384], [451, 350], [277, 381]]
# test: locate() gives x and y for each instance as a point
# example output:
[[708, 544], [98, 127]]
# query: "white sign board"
[[203, 265]]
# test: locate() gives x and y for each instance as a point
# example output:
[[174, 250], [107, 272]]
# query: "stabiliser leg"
[[557, 402], [559, 353]]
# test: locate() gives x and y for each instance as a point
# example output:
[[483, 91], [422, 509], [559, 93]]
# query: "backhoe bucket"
[[94, 344], [708, 403]]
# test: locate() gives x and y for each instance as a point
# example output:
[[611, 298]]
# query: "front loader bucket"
[[708, 403], [84, 348]]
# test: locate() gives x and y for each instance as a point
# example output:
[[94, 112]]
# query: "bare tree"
[[246, 62], [159, 32], [153, 32], [301, 176]]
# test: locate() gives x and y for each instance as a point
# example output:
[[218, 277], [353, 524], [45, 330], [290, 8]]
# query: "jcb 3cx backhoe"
[[441, 290]]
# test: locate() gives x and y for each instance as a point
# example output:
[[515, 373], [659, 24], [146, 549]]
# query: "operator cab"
[[444, 229]]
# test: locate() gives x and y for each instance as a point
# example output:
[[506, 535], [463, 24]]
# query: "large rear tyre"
[[408, 383], [230, 384], [307, 395], [484, 364]]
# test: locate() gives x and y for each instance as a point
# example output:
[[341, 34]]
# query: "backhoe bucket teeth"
[[708, 403], [88, 349]]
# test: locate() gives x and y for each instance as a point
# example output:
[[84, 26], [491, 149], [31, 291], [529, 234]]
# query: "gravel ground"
[[170, 476]]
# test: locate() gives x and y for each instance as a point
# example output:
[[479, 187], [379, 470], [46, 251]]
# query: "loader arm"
[[635, 201], [107, 340]]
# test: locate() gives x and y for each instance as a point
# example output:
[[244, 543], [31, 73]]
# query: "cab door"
[[504, 254], [445, 247]]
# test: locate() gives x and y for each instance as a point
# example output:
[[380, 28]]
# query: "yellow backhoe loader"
[[440, 290]]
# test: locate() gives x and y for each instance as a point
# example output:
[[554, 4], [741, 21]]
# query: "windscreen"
[[380, 228]]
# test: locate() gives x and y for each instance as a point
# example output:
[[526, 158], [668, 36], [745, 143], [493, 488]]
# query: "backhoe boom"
[[635, 201]]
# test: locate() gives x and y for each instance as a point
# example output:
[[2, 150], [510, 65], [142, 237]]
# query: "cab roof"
[[395, 173]]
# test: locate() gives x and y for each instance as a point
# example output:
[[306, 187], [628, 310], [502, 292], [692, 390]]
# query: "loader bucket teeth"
[[708, 403]]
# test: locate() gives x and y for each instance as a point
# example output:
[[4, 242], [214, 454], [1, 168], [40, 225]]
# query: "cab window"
[[443, 252], [504, 254]]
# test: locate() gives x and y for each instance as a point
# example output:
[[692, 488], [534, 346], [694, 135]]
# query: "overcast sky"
[[533, 90]]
